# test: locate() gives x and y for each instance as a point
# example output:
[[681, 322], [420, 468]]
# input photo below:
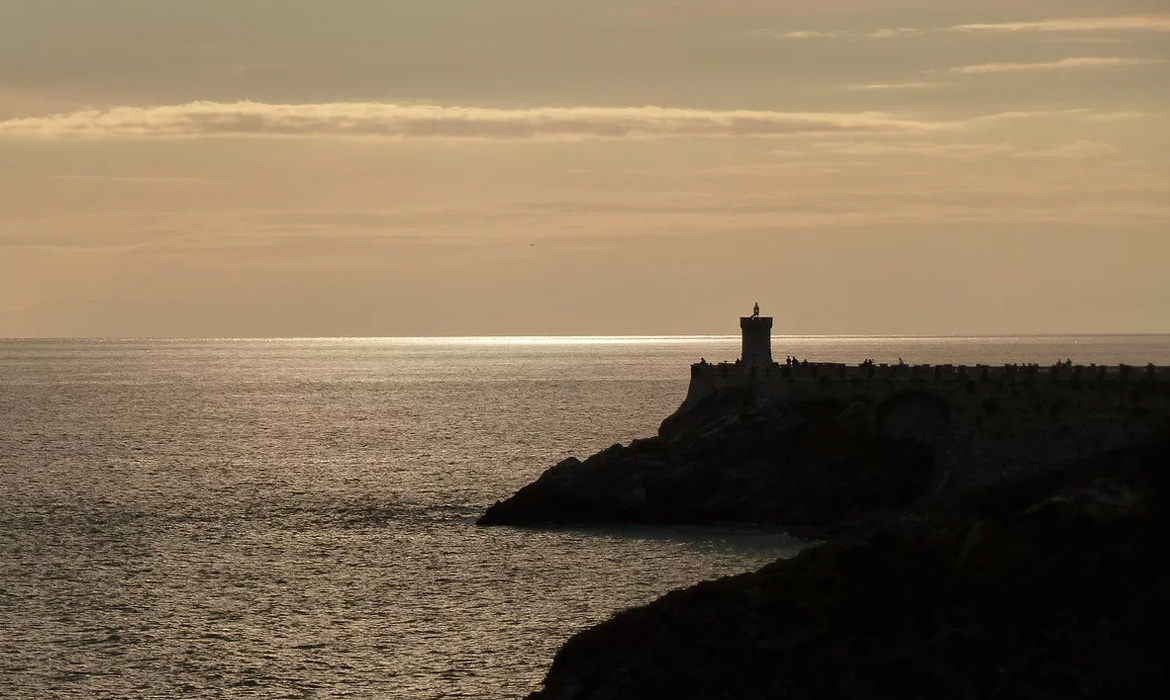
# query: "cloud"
[[372, 119], [415, 122], [1062, 64], [1079, 112], [1083, 24], [960, 151], [1080, 24], [894, 86], [899, 32], [807, 34]]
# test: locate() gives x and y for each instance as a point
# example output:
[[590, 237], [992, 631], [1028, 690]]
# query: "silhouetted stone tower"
[[757, 338]]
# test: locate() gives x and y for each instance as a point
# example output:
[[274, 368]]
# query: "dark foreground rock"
[[1048, 587], [809, 465]]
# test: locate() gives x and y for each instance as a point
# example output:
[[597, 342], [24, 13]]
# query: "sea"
[[295, 518]]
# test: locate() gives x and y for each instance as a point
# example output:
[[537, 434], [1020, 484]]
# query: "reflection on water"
[[295, 518]]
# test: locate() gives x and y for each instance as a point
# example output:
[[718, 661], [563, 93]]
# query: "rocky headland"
[[983, 539], [837, 457], [1051, 586]]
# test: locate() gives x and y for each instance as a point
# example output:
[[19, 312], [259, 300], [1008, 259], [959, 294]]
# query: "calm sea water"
[[295, 518]]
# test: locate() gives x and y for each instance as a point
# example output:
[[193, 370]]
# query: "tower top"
[[757, 338], [755, 320]]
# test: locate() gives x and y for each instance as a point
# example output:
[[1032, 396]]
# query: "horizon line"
[[581, 339]]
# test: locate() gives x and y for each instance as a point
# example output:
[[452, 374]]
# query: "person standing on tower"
[[756, 310]]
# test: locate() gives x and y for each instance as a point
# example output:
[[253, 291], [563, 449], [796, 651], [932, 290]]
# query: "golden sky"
[[491, 167]]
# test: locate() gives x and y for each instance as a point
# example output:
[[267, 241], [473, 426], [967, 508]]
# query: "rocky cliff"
[[836, 456], [1050, 586], [803, 464]]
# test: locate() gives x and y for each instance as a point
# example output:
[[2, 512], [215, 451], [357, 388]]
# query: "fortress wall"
[[776, 380], [984, 423]]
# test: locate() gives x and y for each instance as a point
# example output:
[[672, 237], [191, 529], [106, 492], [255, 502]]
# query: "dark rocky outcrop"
[[1051, 586], [808, 465], [989, 539], [836, 456]]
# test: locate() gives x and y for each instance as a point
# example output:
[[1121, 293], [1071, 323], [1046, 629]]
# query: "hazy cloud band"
[[433, 121], [1133, 23], [1081, 24], [1062, 64]]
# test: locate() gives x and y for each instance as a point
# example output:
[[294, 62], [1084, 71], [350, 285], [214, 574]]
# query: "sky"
[[253, 168]]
